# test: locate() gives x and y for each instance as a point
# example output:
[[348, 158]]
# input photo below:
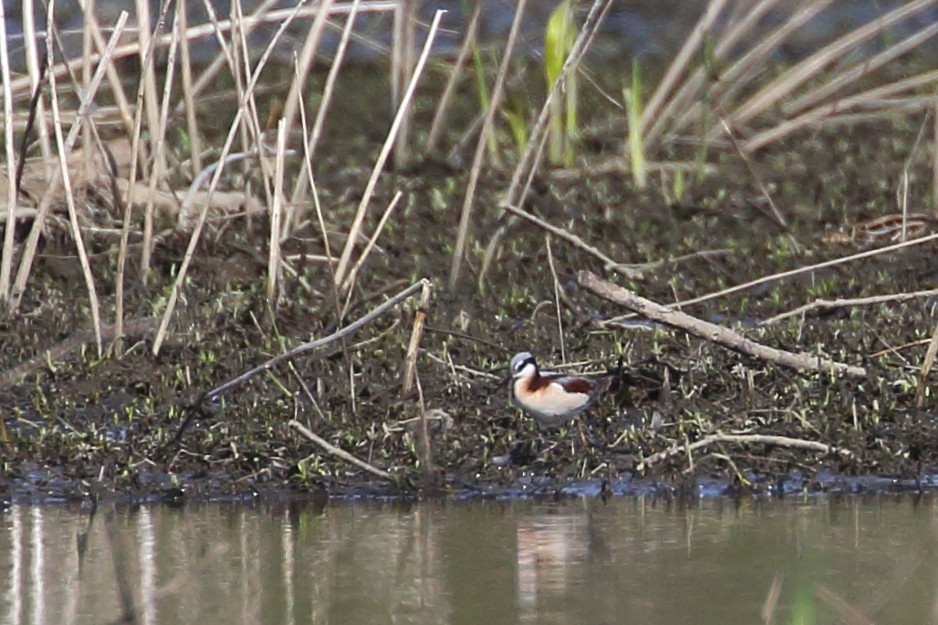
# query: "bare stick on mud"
[[742, 439], [709, 331], [339, 453], [310, 345]]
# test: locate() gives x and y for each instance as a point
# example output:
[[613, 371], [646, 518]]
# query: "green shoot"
[[558, 43], [633, 104]]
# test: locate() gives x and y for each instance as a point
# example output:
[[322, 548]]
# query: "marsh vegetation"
[[171, 224]]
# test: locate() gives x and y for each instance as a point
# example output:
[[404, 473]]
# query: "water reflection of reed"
[[626, 561]]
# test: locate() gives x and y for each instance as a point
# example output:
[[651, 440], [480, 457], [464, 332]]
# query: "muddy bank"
[[78, 426]]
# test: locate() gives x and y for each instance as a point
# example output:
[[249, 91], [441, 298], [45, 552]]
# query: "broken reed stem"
[[188, 97], [355, 229], [32, 241], [462, 233], [442, 109], [203, 214], [159, 161], [825, 304], [67, 188], [9, 140], [276, 211], [740, 439], [420, 320], [712, 332], [301, 188], [339, 453], [311, 345]]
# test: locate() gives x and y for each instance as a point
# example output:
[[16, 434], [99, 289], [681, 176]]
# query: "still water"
[[628, 560]]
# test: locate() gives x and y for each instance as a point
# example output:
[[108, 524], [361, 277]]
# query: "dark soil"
[[79, 426]]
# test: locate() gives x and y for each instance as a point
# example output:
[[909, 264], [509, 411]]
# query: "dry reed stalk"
[[740, 439], [9, 141], [934, 162], [492, 248], [798, 271], [342, 269], [87, 145], [860, 69], [216, 178], [305, 63], [439, 117], [339, 452], [679, 65], [301, 188], [741, 73], [63, 150], [783, 86], [148, 40], [158, 138], [825, 304], [557, 290], [528, 163], [531, 158], [416, 334], [710, 331], [19, 85], [32, 241], [927, 364], [402, 71], [276, 211], [342, 333], [462, 234], [114, 79], [35, 70], [188, 96], [353, 274], [212, 69], [240, 69], [871, 97], [683, 99]]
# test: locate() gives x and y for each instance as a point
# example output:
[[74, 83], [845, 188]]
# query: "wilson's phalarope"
[[552, 398]]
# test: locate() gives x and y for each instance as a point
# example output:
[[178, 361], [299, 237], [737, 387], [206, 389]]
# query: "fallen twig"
[[741, 439], [339, 453], [310, 345], [709, 331]]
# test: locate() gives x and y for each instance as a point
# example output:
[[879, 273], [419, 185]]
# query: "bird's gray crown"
[[520, 361]]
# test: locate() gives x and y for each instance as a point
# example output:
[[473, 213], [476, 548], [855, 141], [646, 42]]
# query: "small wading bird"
[[552, 398]]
